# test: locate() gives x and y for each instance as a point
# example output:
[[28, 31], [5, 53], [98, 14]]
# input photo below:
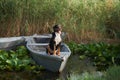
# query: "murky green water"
[[74, 65]]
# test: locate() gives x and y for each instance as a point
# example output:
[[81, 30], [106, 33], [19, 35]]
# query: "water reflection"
[[74, 65]]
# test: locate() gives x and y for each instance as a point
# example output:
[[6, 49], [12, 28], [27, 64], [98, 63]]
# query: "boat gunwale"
[[52, 56], [45, 44], [8, 41]]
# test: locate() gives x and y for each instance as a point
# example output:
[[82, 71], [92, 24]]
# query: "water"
[[74, 65]]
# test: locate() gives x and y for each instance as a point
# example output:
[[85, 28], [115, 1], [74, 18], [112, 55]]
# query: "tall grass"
[[111, 73], [86, 76], [81, 19]]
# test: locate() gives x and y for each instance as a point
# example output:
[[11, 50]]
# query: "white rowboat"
[[37, 47], [8, 43]]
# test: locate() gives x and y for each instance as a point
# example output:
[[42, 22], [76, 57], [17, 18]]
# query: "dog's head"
[[57, 28]]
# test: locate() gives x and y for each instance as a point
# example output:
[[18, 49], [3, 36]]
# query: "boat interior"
[[40, 44]]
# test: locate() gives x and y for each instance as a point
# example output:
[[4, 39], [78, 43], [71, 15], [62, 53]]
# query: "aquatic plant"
[[17, 60], [110, 74], [101, 54]]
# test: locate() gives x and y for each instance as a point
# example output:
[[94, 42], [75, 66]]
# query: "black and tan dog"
[[54, 45]]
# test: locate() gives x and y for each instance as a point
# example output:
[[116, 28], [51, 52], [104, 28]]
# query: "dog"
[[53, 47]]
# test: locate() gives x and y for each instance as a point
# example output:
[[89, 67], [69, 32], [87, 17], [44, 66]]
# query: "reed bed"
[[81, 19]]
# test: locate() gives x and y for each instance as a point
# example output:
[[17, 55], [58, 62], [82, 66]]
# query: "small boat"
[[8, 43], [37, 47]]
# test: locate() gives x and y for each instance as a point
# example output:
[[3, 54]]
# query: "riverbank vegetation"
[[18, 60], [81, 19], [103, 55], [111, 74]]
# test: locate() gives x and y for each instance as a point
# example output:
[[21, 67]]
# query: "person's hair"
[[57, 28]]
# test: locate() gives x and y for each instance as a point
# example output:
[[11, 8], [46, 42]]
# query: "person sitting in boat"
[[53, 47]]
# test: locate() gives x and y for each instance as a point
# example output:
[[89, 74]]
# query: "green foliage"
[[102, 54], [16, 60], [85, 76], [113, 73], [77, 17]]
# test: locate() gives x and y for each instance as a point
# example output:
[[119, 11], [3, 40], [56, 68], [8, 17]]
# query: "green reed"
[[81, 19]]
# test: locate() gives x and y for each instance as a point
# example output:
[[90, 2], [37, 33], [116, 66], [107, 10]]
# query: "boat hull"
[[54, 65], [11, 42], [50, 62]]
